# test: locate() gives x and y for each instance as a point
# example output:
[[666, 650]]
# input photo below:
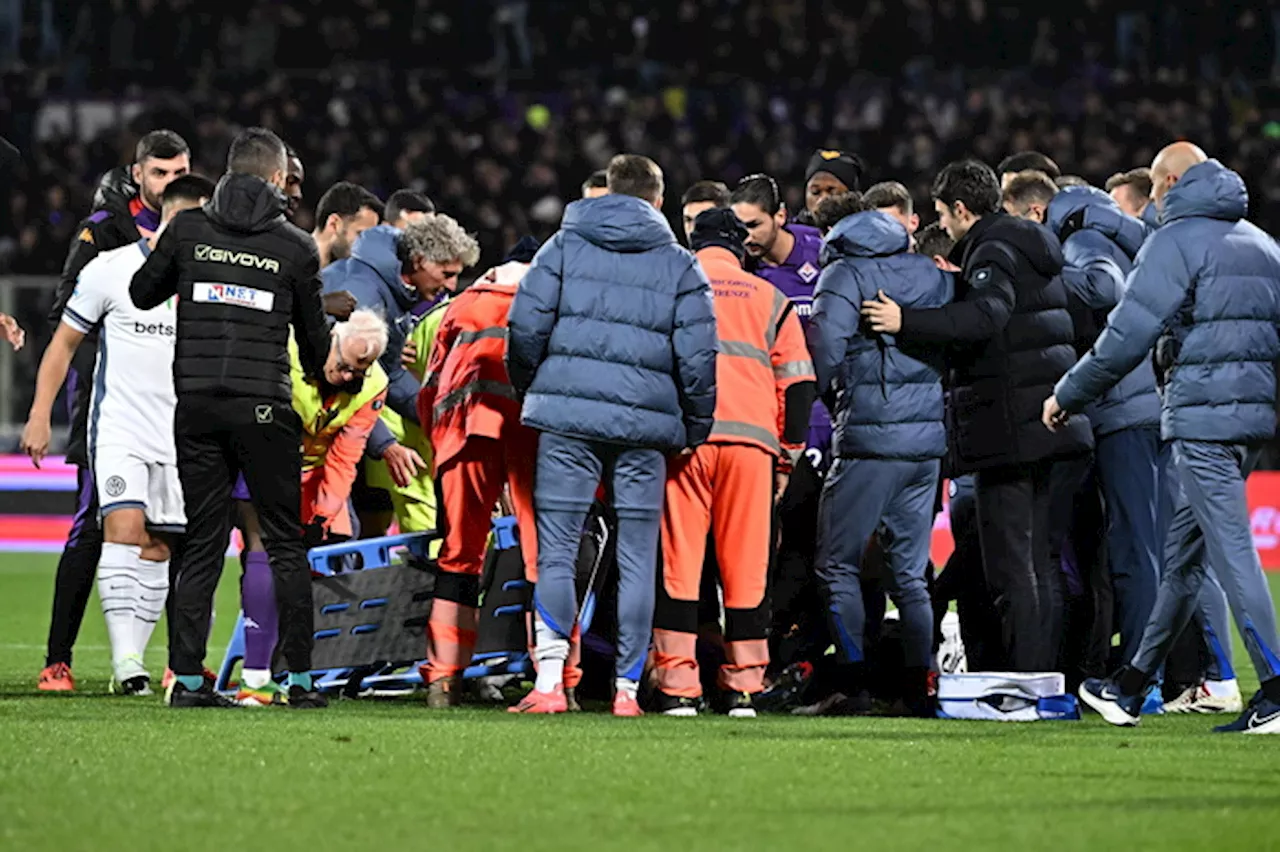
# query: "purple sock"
[[258, 598]]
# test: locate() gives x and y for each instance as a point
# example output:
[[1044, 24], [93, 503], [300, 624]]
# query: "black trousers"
[[1013, 527], [216, 439], [1077, 535], [77, 569], [798, 618]]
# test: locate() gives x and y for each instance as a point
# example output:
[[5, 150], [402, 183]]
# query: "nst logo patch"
[[233, 294], [213, 254]]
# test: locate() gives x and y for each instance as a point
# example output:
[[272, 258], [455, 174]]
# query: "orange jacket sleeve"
[[440, 347], [791, 365], [344, 453]]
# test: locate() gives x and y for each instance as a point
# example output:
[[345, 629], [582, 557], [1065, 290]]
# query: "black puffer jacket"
[[109, 226], [242, 274], [1015, 339]]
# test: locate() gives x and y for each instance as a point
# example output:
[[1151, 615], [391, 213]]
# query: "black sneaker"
[[306, 699], [838, 704], [675, 705], [786, 690], [139, 685], [740, 705], [179, 696]]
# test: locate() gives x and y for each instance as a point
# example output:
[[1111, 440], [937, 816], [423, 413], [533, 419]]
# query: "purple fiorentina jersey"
[[798, 274], [796, 277]]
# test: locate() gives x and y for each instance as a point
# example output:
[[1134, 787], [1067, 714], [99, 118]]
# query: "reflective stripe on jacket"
[[761, 353], [466, 391]]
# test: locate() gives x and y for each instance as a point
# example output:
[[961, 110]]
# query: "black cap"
[[719, 227], [845, 167], [523, 251]]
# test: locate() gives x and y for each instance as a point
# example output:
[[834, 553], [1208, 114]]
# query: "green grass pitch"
[[96, 772]]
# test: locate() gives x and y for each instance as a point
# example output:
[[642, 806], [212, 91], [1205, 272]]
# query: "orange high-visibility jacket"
[[762, 353], [466, 391]]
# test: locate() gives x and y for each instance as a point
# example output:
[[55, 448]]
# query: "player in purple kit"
[[786, 255]]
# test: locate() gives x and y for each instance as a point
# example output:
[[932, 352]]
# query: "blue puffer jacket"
[[372, 275], [612, 334], [1208, 284], [885, 398], [1099, 243], [1150, 217]]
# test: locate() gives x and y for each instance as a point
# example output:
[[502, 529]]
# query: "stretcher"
[[372, 600]]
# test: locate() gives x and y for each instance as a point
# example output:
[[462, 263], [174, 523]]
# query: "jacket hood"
[[246, 203], [866, 234], [115, 190], [376, 248], [504, 278], [1210, 190], [1035, 242], [1151, 216], [1077, 208], [620, 223]]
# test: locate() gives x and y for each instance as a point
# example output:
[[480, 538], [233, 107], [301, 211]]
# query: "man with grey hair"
[[392, 270], [339, 409]]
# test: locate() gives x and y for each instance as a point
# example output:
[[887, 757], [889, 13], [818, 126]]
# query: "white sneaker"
[[130, 677], [1212, 696]]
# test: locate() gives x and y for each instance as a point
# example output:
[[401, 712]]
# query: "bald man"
[[1206, 292]]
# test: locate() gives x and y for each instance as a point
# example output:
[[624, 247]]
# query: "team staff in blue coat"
[[1100, 238], [612, 346], [1099, 243], [1126, 428], [1012, 339], [1207, 284], [889, 437]]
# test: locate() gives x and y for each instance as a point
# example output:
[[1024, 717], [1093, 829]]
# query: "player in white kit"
[[131, 446]]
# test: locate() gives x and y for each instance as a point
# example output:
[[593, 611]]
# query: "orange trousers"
[[470, 485], [726, 489]]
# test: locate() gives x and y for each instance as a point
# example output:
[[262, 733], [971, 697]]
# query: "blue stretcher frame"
[[394, 678]]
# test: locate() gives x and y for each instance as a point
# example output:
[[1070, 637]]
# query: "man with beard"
[[293, 183], [830, 173], [345, 212], [126, 209]]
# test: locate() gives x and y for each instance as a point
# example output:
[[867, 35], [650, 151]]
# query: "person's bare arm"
[[53, 372], [11, 332]]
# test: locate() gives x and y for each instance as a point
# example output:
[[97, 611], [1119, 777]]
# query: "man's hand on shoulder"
[[883, 314]]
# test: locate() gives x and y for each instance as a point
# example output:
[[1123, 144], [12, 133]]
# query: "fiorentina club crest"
[[808, 272]]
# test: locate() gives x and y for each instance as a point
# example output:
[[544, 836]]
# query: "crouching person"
[[765, 392], [887, 404], [338, 410]]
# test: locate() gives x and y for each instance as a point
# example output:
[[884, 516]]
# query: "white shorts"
[[126, 481]]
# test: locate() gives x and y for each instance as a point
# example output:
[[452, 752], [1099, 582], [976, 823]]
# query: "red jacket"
[[466, 392]]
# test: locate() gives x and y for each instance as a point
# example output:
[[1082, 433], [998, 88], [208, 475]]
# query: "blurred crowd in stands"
[[499, 109]]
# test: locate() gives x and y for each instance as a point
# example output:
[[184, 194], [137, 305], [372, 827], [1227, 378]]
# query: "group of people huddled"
[[774, 408]]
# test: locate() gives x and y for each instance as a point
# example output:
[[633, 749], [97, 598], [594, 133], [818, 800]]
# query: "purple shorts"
[[241, 490]]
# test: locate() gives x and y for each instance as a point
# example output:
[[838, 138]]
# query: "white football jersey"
[[133, 398]]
